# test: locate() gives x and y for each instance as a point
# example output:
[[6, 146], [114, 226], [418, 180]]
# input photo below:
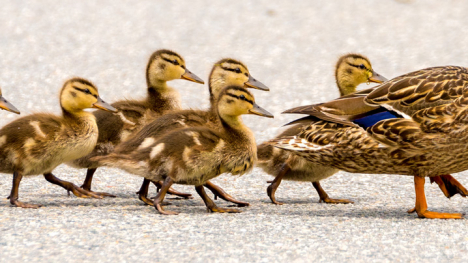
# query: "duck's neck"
[[215, 87], [235, 127], [79, 118], [161, 96], [345, 85]]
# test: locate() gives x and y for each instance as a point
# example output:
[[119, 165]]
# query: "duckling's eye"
[[242, 97], [87, 91], [362, 66], [238, 70], [175, 62]]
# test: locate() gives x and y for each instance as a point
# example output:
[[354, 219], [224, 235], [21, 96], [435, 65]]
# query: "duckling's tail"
[[106, 160], [122, 161]]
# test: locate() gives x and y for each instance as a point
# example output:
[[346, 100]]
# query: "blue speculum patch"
[[375, 116]]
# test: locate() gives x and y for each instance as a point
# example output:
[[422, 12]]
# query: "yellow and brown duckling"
[[415, 124], [350, 71], [38, 143], [5, 105], [197, 154], [163, 66], [224, 73]]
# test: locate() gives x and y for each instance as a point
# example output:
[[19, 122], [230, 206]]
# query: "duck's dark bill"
[[4, 104], [100, 104], [192, 77], [257, 110], [255, 84]]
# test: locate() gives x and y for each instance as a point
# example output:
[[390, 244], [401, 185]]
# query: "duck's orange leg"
[[449, 185], [421, 204]]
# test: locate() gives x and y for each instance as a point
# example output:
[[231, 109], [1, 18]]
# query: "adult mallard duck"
[[5, 105], [225, 72], [197, 154], [415, 124], [351, 70], [163, 66], [38, 143]]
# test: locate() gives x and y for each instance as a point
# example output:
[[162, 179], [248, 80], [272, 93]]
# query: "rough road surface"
[[292, 47]]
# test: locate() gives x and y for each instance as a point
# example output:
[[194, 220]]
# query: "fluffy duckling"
[[163, 66], [197, 154], [225, 72], [38, 143], [5, 105], [350, 71]]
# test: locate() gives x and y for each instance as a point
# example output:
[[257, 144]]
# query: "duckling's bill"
[[4, 104], [376, 77], [192, 77], [255, 84], [257, 110], [102, 105]]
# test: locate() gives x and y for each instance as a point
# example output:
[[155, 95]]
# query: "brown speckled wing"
[[421, 89]]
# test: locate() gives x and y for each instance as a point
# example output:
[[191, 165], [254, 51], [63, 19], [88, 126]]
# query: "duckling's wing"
[[165, 124]]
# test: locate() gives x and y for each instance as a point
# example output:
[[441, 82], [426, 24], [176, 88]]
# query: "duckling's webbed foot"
[[17, 176], [77, 191], [271, 190], [218, 191], [87, 184], [171, 191], [160, 197], [449, 185], [210, 205], [324, 196]]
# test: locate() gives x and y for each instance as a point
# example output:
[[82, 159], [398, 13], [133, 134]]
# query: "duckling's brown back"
[[164, 124]]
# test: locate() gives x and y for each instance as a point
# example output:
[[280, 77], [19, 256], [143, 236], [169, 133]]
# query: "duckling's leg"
[[211, 205], [89, 179], [218, 191], [276, 182], [171, 191], [160, 197], [77, 191], [143, 192], [324, 196], [17, 176], [449, 185], [421, 204]]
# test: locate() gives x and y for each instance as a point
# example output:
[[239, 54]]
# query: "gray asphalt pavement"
[[292, 47]]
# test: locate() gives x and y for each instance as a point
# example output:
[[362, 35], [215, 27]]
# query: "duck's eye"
[[362, 66], [87, 91], [242, 97], [175, 62], [238, 70]]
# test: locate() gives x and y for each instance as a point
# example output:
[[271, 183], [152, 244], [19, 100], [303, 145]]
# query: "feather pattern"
[[428, 138]]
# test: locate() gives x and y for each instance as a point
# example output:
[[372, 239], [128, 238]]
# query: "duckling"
[[37, 143], [225, 72], [5, 105], [163, 65], [351, 70], [197, 154]]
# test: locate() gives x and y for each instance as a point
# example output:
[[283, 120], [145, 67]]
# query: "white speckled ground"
[[289, 45]]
